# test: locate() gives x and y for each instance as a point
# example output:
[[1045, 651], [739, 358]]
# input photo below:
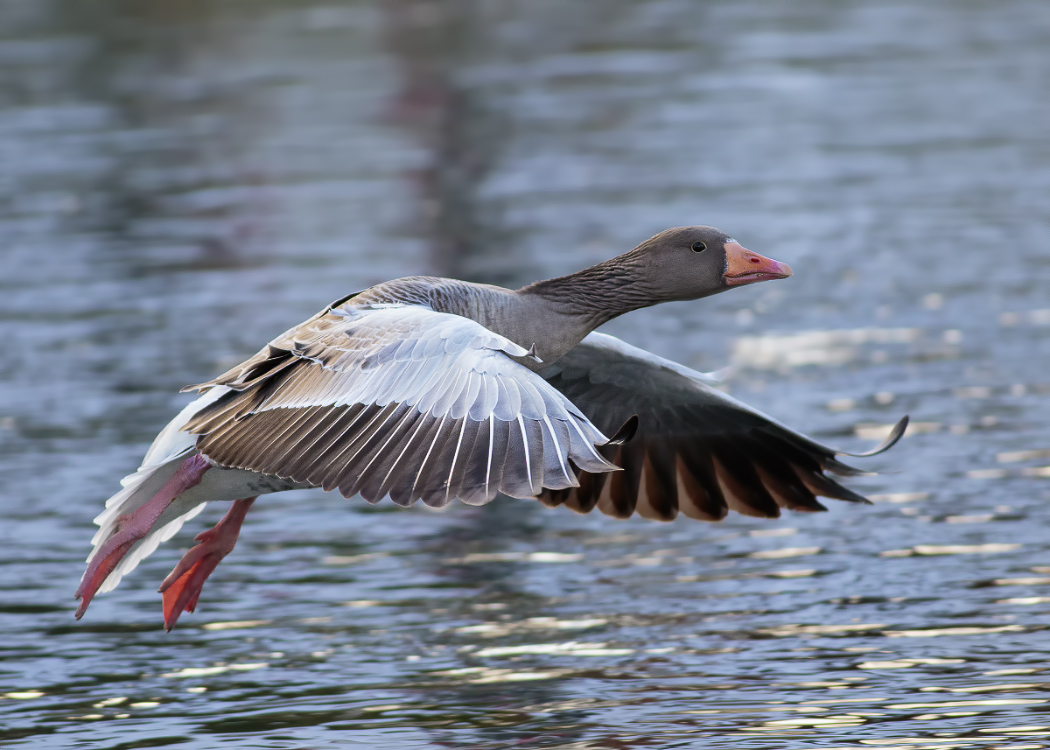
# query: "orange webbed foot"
[[182, 588]]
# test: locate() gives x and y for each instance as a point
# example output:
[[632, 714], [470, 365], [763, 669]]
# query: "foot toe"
[[181, 594]]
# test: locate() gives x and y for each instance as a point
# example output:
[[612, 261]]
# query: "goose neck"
[[596, 294]]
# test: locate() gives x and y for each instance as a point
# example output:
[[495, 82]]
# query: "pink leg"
[[134, 526], [183, 585]]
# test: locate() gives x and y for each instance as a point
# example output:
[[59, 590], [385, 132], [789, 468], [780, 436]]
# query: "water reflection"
[[183, 180]]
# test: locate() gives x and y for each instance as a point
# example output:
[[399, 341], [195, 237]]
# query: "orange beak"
[[745, 267]]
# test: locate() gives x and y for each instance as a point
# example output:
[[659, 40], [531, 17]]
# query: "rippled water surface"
[[179, 181]]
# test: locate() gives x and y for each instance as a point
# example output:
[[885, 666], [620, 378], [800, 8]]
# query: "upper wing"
[[696, 450], [398, 400]]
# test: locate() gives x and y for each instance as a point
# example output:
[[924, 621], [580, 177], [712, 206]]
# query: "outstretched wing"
[[697, 450], [403, 401]]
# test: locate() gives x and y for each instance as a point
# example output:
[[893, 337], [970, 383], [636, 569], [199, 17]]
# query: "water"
[[180, 181]]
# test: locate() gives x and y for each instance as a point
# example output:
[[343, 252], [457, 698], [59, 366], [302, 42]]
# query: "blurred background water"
[[179, 181]]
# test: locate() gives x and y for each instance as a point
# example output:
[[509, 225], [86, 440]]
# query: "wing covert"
[[399, 400]]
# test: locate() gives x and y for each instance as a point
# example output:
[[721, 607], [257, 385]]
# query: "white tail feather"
[[164, 456]]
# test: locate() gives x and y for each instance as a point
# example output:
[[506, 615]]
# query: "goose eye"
[[699, 247]]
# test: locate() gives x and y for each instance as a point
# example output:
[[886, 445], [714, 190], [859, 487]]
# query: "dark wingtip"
[[891, 440], [626, 432], [837, 492]]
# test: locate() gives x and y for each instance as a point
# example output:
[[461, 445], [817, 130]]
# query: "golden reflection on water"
[[964, 549], [1010, 457], [815, 347], [111, 702], [217, 669], [1000, 688], [24, 695], [954, 704], [977, 518], [934, 632], [568, 648], [498, 629], [1027, 670], [235, 624], [536, 557], [486, 675], [986, 473], [784, 552], [904, 663], [363, 603], [794, 630], [952, 549], [899, 497]]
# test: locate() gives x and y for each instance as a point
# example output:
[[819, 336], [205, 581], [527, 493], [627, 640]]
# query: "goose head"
[[686, 263]]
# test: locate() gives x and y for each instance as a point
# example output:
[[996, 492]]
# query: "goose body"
[[435, 389]]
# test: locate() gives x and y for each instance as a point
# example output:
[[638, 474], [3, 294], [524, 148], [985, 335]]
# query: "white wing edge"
[[703, 380], [605, 341]]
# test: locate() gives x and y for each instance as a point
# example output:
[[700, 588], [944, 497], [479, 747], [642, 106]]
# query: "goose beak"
[[745, 267]]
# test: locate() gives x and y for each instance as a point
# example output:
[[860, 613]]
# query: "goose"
[[435, 389]]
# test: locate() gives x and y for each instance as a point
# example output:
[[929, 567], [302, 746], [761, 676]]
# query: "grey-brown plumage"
[[425, 388], [435, 389]]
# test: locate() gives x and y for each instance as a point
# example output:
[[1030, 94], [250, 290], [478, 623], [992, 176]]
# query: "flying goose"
[[434, 389]]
